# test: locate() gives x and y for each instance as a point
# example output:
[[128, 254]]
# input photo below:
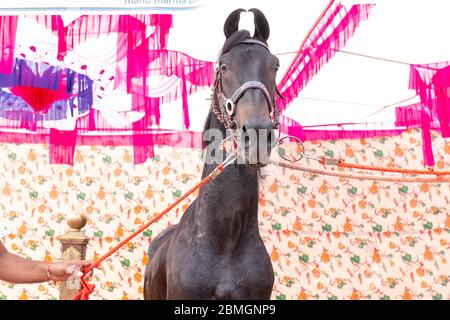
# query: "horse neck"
[[227, 207]]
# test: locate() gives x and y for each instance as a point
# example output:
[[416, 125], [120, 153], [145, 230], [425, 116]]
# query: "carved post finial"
[[73, 247]]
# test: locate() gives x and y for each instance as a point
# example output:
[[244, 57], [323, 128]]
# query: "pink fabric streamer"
[[183, 139], [141, 56], [186, 121], [93, 26], [62, 146], [8, 29], [138, 57], [432, 84], [320, 48], [142, 140], [293, 128], [441, 84], [411, 117]]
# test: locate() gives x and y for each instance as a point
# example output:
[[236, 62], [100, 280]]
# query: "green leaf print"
[[302, 189], [428, 225], [407, 257], [403, 189], [379, 153], [126, 263], [304, 258], [277, 226], [148, 233], [329, 153], [355, 259]]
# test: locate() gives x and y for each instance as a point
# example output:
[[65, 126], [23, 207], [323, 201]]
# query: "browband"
[[254, 41]]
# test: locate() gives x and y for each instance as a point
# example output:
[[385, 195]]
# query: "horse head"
[[245, 88]]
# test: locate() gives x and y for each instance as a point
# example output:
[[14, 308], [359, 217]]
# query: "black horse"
[[216, 251]]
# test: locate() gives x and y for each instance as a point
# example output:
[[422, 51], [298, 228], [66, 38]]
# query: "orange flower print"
[[349, 152], [399, 151], [303, 295], [323, 188], [137, 209], [297, 225], [119, 232], [101, 194], [138, 277], [166, 170], [22, 230], [398, 225], [31, 155], [325, 257], [376, 257], [316, 272], [144, 259], [274, 187], [428, 255], [6, 190], [348, 226], [355, 295], [54, 193], [440, 164], [373, 188], [424, 187], [24, 295], [447, 222], [362, 204], [407, 295], [275, 255], [420, 271], [312, 203], [413, 202]]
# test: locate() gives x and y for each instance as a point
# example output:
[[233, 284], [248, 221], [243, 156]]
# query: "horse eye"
[[223, 68]]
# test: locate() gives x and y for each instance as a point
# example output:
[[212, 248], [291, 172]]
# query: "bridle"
[[226, 107]]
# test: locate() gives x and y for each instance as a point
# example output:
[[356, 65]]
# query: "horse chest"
[[245, 273]]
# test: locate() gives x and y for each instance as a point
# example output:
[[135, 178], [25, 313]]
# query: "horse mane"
[[234, 40]]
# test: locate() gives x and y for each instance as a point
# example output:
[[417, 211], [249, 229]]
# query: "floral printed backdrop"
[[328, 237]]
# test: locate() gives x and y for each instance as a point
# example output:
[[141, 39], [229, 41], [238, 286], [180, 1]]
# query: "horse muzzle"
[[256, 141]]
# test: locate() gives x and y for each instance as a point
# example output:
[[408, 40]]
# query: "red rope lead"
[[87, 288], [343, 164]]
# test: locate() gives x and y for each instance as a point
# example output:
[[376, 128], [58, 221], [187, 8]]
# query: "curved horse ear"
[[232, 23], [262, 30]]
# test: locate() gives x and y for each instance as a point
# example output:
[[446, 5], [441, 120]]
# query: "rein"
[[87, 288]]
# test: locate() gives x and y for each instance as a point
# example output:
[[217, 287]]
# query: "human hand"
[[61, 271]]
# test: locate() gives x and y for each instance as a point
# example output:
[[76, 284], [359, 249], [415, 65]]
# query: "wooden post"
[[73, 247]]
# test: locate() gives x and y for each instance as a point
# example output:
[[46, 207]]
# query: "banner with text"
[[8, 6]]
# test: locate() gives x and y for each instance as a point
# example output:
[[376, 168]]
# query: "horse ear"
[[262, 30], [232, 23]]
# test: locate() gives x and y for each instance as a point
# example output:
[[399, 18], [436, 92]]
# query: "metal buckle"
[[281, 141], [301, 155], [229, 107]]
